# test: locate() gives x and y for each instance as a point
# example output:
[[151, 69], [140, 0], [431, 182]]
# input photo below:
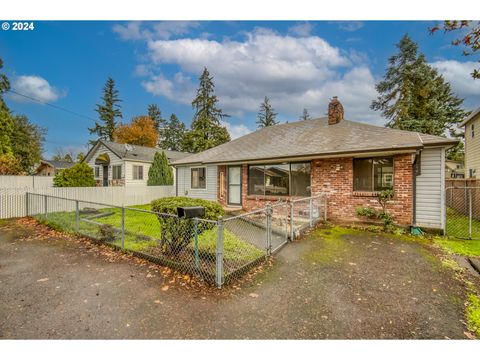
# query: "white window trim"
[[198, 167], [133, 173], [121, 171]]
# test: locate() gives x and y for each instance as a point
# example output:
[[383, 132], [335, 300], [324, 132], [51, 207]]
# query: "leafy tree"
[[9, 165], [456, 153], [305, 115], [413, 96], [470, 39], [160, 173], [206, 130], [266, 115], [79, 175], [27, 142], [80, 156], [4, 87], [6, 121], [174, 135], [108, 112], [141, 131]]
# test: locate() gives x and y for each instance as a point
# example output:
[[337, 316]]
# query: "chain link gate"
[[462, 212]]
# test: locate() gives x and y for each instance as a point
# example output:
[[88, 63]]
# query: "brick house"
[[350, 161]]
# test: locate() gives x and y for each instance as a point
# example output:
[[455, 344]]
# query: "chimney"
[[335, 111]]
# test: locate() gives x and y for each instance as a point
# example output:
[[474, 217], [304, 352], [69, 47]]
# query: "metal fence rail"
[[216, 251], [462, 212]]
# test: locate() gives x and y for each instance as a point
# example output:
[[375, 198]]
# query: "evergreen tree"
[[206, 130], [6, 121], [305, 115], [413, 96], [27, 142], [266, 115], [4, 87], [108, 112], [174, 135], [160, 173], [155, 114]]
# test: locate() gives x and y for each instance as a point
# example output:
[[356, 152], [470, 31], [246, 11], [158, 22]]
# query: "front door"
[[105, 176], [234, 185]]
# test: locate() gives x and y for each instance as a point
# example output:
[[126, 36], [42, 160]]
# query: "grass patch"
[[452, 264], [459, 246], [458, 224], [473, 314]]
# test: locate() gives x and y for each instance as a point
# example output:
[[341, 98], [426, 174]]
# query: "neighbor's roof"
[[470, 117], [58, 164], [314, 138], [135, 152]]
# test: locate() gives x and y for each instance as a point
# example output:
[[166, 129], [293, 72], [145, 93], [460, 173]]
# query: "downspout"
[[176, 181]]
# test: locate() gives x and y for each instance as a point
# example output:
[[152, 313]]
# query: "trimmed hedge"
[[168, 205]]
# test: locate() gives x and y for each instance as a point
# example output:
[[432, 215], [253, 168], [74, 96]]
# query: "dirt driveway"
[[331, 284]]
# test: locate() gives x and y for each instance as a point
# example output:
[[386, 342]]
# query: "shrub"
[[10, 165], [78, 175], [177, 233], [383, 215], [160, 173]]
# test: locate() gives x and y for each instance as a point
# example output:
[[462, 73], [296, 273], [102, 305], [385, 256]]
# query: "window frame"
[[134, 173], [372, 190], [191, 178], [97, 172], [473, 131], [114, 167]]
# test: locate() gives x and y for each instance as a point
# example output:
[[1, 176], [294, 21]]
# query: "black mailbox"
[[191, 211]]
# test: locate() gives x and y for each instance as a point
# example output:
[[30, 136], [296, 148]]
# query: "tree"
[[108, 112], [155, 114], [456, 153], [469, 39], [305, 115], [413, 96], [266, 115], [174, 135], [160, 173], [141, 131], [79, 175], [27, 142], [206, 130], [6, 121], [4, 87], [80, 156], [9, 165]]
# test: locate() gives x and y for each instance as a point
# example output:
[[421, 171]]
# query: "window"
[[97, 171], [472, 173], [473, 131], [279, 179], [373, 174], [117, 172], [137, 172], [198, 178]]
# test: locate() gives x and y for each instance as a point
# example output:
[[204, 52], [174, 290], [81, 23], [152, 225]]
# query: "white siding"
[[128, 169], [114, 160], [184, 178], [429, 204]]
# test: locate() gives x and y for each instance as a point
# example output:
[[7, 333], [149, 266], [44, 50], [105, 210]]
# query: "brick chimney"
[[335, 111]]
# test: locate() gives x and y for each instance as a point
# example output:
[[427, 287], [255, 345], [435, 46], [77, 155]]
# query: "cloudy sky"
[[296, 64]]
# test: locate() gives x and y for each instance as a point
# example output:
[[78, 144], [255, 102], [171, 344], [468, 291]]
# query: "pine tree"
[[108, 112], [413, 96], [266, 115], [206, 130], [305, 115], [174, 135], [160, 173]]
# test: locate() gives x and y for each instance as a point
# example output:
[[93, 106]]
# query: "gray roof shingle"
[[313, 137], [141, 153]]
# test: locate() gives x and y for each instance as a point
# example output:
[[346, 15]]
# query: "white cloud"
[[35, 87], [459, 75], [236, 131], [350, 25], [137, 30], [301, 29]]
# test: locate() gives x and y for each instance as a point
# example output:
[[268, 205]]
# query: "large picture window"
[[373, 174], [279, 179], [198, 178]]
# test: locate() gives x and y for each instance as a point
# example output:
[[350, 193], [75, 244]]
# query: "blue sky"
[[297, 64]]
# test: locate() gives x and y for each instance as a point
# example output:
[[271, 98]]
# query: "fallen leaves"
[[253, 295], [165, 288], [42, 280]]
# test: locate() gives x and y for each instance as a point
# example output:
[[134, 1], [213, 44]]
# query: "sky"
[[296, 64]]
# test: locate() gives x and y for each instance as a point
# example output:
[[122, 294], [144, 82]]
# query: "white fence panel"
[[14, 181], [13, 202]]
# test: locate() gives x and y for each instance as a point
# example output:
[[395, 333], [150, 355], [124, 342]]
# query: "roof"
[[135, 152], [58, 164], [469, 117], [314, 138]]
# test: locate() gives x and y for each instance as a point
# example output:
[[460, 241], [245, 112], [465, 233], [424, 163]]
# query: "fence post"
[[310, 210], [123, 228], [219, 259], [268, 213], [77, 215], [27, 212], [197, 257], [46, 200], [291, 221], [470, 212]]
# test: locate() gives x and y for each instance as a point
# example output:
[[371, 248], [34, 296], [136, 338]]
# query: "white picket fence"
[[13, 201], [20, 181]]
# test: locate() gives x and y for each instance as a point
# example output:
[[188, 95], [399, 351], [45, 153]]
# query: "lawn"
[[458, 224]]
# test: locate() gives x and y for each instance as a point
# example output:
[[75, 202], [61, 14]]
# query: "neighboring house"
[[117, 164], [454, 169], [348, 160], [51, 167], [472, 144]]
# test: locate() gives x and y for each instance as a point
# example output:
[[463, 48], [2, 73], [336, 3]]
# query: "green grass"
[[458, 224], [459, 246], [473, 314]]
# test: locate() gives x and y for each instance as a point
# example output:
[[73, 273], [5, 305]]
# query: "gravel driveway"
[[328, 285]]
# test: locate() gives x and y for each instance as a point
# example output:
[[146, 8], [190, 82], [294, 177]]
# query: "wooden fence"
[[13, 201], [20, 181]]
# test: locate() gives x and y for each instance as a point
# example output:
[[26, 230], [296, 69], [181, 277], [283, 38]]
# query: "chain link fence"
[[462, 212], [215, 251]]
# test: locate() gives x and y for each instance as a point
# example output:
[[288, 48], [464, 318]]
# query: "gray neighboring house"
[[116, 164], [350, 161]]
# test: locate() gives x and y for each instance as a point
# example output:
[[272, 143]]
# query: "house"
[[117, 164], [472, 144], [51, 167], [454, 169], [350, 161]]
